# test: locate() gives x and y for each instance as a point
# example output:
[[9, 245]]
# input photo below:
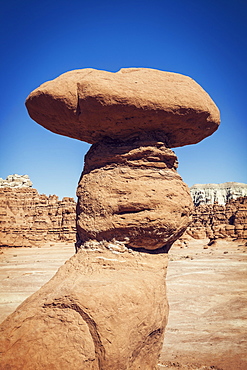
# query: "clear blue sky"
[[204, 39]]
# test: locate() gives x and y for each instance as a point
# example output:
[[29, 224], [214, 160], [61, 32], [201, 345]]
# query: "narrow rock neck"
[[140, 151]]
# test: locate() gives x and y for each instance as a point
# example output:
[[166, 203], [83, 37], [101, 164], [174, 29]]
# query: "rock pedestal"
[[106, 309]]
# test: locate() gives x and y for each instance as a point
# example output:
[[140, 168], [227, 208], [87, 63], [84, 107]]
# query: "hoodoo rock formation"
[[106, 307], [28, 218]]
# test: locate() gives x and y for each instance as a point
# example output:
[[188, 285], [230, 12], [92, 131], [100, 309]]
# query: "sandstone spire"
[[106, 307]]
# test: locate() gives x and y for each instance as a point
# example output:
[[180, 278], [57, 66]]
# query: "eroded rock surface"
[[105, 309], [217, 193], [88, 105], [220, 221], [28, 218], [16, 181], [130, 191]]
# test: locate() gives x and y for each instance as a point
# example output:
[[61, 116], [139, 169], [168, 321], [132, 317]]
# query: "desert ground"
[[207, 294]]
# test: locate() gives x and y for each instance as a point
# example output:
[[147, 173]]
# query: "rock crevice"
[[99, 348]]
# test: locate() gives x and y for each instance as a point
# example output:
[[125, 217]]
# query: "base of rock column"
[[106, 308]]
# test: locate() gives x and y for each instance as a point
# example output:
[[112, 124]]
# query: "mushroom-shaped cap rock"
[[91, 104]]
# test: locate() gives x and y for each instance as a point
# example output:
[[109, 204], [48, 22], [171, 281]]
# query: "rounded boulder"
[[90, 105]]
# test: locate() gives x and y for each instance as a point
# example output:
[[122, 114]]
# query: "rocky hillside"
[[220, 221], [217, 193], [28, 218]]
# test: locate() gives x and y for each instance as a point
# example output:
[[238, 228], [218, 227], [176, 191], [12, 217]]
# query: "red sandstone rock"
[[28, 218], [103, 310], [106, 308], [88, 105], [219, 221], [130, 191]]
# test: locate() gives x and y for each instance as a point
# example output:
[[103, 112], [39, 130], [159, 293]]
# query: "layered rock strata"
[[219, 221], [130, 191], [106, 308], [217, 193], [28, 218]]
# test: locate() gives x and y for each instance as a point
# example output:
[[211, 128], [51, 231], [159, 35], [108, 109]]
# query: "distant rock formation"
[[16, 181], [28, 218], [106, 308], [217, 193], [220, 221]]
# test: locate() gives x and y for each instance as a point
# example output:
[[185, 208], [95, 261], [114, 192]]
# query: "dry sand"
[[206, 292]]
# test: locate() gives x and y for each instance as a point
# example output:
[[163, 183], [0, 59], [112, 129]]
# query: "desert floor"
[[207, 294]]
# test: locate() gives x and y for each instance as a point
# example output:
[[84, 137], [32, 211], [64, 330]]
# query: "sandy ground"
[[207, 293]]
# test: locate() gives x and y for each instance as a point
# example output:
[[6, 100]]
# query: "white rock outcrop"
[[217, 193], [16, 181]]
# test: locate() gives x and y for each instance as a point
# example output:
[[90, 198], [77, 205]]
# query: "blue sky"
[[204, 39]]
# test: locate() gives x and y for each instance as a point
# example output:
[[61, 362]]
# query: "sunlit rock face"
[[130, 191], [88, 105], [16, 181], [106, 308], [217, 193], [215, 221], [28, 218]]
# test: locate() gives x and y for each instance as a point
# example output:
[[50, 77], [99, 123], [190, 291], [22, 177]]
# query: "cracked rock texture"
[[105, 309]]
